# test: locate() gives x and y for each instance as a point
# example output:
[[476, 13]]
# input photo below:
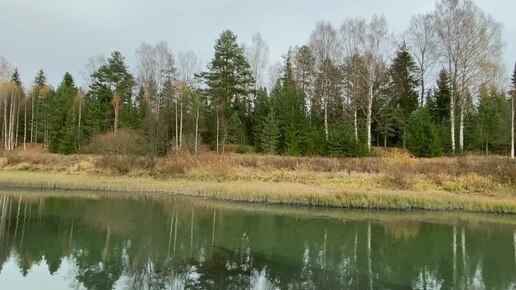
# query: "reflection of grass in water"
[[392, 218], [267, 192]]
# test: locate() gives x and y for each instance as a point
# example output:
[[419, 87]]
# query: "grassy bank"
[[394, 181]]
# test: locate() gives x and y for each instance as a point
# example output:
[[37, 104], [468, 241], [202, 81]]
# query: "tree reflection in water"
[[143, 243]]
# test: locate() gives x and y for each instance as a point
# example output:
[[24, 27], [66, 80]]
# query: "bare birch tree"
[[352, 32], [325, 45], [470, 46], [188, 65], [376, 46], [421, 40], [91, 66], [6, 70], [258, 57], [10, 98], [155, 67], [275, 71]]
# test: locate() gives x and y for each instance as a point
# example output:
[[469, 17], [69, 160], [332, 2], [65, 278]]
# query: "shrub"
[[122, 152], [399, 170], [241, 149], [342, 143], [422, 136]]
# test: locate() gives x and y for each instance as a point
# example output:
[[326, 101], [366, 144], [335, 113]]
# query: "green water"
[[94, 241]]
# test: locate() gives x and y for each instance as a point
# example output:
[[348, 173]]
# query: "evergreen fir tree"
[[236, 130], [404, 82], [15, 78], [492, 120], [423, 139], [261, 111], [60, 111], [269, 134], [439, 103], [289, 103]]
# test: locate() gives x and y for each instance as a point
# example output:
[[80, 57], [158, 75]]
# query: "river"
[[129, 241]]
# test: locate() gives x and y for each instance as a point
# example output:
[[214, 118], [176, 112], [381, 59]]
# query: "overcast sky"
[[60, 35]]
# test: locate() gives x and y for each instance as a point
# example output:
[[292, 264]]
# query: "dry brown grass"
[[404, 181]]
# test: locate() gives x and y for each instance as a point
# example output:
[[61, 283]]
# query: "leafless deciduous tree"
[[258, 57], [275, 73], [352, 33], [376, 46], [188, 65], [471, 47], [10, 97], [325, 46], [421, 38], [91, 66], [6, 70], [155, 67], [304, 71]]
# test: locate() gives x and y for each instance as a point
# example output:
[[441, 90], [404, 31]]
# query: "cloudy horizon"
[[59, 36]]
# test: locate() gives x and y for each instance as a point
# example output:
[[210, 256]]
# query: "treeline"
[[438, 89]]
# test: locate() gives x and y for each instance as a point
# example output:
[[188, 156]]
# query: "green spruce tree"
[[423, 139], [403, 85], [269, 134]]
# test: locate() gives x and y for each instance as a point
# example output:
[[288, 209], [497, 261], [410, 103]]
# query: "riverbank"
[[396, 181]]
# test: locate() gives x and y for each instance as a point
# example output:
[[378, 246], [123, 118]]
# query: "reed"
[[290, 193]]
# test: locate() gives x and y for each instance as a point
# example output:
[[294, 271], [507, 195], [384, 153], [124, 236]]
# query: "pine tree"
[[304, 70], [111, 90], [229, 81]]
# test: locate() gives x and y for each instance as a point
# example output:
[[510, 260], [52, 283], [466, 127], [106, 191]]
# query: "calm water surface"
[[94, 241]]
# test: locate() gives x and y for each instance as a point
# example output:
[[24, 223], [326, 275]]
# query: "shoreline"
[[278, 193]]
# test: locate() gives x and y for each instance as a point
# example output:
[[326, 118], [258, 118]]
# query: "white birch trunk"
[[32, 119], [218, 129], [461, 127], [355, 124], [512, 126], [17, 120], [369, 114], [326, 131], [177, 131], [25, 128], [452, 122], [181, 126], [197, 131]]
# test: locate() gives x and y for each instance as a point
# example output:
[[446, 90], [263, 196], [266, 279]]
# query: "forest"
[[438, 89]]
